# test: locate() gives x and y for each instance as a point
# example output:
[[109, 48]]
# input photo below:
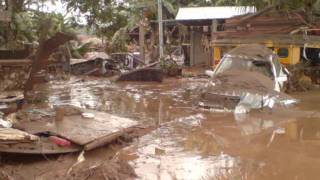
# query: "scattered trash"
[[59, 141], [5, 124]]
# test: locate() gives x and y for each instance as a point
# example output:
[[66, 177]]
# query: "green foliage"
[[28, 25], [119, 40], [113, 18], [78, 51]]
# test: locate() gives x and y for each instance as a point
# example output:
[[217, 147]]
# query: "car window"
[[283, 52], [232, 63]]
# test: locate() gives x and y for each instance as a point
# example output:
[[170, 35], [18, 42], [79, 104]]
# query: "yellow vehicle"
[[290, 48]]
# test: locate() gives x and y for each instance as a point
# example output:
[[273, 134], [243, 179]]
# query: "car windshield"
[[236, 63]]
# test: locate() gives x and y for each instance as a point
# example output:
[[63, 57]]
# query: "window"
[[283, 52]]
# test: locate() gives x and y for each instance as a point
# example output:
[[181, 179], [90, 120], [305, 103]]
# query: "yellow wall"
[[216, 55], [292, 58]]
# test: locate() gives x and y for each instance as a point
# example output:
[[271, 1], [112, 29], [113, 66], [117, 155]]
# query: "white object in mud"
[[209, 73], [5, 124], [88, 115]]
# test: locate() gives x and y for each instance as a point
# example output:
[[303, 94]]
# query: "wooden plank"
[[103, 140], [15, 135], [79, 61], [83, 131], [43, 146], [18, 62]]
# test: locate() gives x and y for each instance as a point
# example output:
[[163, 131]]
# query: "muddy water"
[[194, 144]]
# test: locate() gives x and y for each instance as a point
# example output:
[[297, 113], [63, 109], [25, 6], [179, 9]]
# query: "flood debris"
[[101, 64], [248, 77], [304, 77], [144, 74], [10, 100], [10, 135], [67, 129], [15, 64], [89, 129], [41, 146], [92, 64]]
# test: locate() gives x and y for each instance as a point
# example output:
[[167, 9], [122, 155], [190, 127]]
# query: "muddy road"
[[185, 143]]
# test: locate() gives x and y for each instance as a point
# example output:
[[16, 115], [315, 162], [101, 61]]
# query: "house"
[[202, 22], [288, 34]]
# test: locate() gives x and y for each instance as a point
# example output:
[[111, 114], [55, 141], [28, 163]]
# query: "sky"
[[58, 7]]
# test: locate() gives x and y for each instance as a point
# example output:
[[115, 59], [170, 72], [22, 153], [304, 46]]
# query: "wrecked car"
[[247, 77]]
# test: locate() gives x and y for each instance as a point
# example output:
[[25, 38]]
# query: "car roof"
[[251, 51]]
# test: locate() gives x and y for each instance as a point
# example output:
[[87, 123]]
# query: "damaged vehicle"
[[248, 77]]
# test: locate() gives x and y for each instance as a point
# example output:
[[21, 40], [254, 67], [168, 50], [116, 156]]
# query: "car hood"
[[251, 88]]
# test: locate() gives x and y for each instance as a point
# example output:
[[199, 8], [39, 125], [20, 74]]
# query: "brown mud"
[[179, 140]]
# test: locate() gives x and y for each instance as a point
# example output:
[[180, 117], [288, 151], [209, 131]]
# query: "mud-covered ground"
[[181, 141]]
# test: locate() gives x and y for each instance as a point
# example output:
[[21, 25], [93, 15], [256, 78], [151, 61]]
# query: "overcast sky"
[[58, 7]]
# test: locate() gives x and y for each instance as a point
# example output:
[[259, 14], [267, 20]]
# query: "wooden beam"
[[16, 62]]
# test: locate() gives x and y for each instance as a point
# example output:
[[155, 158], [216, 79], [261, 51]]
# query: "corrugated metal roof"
[[218, 12]]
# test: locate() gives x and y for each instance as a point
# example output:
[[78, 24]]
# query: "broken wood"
[[15, 135], [15, 62], [144, 74], [42, 146], [89, 133], [104, 140]]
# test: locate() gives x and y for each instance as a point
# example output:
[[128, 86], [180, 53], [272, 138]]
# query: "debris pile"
[[303, 77], [68, 129], [144, 74]]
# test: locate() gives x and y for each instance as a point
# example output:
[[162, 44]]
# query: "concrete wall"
[[198, 56]]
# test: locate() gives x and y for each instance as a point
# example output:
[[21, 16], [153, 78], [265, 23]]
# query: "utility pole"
[[142, 36], [160, 29]]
